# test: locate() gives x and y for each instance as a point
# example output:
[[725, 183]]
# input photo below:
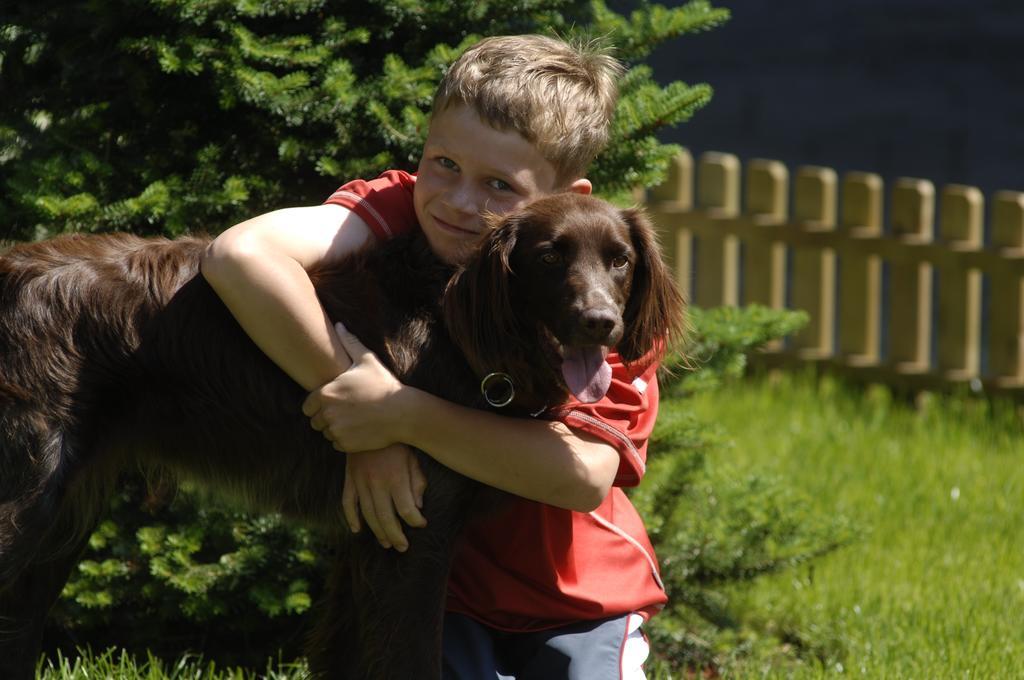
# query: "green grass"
[[934, 588], [119, 665]]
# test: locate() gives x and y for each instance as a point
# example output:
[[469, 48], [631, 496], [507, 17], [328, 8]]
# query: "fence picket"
[[910, 277], [860, 282], [716, 281], [959, 302], [813, 273], [675, 193], [764, 260], [1006, 300]]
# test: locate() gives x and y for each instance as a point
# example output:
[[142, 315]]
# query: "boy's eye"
[[447, 163], [500, 185]]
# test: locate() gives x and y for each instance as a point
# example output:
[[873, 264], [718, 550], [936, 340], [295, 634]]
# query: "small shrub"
[[716, 529], [187, 574]]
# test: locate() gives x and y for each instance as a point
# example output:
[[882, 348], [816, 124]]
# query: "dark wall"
[[921, 88]]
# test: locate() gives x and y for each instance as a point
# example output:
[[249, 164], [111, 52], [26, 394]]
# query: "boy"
[[558, 585]]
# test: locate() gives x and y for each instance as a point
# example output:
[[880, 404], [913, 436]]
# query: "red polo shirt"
[[535, 566]]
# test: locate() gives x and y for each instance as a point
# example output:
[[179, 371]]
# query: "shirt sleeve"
[[384, 203], [624, 417]]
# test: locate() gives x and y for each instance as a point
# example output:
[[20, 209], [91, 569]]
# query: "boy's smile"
[[469, 167]]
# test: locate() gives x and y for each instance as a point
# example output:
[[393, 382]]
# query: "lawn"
[[118, 665], [933, 587]]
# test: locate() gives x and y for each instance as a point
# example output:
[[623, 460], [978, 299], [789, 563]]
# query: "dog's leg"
[[401, 612], [333, 644], [27, 597], [385, 622], [49, 501], [395, 601], [28, 507], [37, 561], [24, 605]]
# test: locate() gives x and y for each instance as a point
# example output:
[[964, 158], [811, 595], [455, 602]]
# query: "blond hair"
[[559, 97]]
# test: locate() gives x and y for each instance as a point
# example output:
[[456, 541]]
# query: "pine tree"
[[190, 115]]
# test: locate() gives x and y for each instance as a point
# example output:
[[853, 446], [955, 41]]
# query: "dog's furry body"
[[116, 353]]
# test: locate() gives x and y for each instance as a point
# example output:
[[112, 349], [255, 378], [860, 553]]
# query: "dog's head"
[[553, 288]]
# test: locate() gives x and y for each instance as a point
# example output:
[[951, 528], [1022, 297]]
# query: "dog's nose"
[[598, 324]]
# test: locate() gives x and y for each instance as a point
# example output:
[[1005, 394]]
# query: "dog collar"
[[506, 389]]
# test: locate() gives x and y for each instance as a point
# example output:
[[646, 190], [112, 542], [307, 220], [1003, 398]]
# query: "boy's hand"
[[360, 409], [356, 412], [384, 485]]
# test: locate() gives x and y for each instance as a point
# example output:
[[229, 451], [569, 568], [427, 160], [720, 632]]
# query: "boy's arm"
[[540, 460], [258, 268], [367, 407]]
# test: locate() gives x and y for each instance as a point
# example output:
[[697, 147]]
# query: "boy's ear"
[[582, 186]]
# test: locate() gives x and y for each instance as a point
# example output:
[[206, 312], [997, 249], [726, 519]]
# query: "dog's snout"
[[599, 324]]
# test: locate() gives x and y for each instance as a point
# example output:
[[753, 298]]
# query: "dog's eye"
[[551, 257], [620, 262]]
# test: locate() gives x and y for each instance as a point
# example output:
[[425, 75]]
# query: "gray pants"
[[589, 650]]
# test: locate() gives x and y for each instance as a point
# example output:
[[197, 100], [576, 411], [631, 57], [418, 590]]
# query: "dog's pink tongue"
[[586, 372]]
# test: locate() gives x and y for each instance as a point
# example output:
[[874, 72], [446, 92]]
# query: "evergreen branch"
[[651, 25]]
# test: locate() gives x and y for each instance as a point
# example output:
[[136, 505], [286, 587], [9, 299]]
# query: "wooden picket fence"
[[894, 300]]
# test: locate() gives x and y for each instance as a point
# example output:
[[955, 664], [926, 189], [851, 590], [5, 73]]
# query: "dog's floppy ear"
[[477, 303], [653, 317]]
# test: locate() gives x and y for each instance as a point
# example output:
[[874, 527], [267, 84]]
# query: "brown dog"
[[114, 352]]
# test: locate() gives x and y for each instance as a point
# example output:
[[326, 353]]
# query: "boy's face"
[[469, 167]]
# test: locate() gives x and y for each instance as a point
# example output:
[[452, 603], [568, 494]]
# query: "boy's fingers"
[[388, 520], [405, 503], [311, 404], [369, 511], [350, 504], [338, 446], [355, 348], [417, 482]]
